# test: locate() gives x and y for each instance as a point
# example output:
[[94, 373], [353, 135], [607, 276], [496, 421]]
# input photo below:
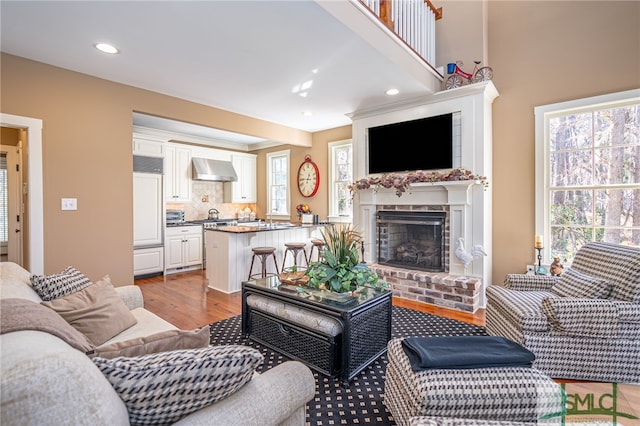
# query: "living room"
[[532, 67], [541, 53]]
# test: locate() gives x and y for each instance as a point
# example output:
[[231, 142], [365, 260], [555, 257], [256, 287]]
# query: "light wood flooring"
[[184, 300]]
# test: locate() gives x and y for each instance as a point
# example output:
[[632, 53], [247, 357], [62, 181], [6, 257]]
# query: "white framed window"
[[340, 177], [278, 184], [588, 172]]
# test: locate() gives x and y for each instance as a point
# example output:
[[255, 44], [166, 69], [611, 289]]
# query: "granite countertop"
[[206, 221], [277, 226]]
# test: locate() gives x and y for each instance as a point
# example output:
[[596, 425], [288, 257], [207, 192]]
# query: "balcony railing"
[[412, 20]]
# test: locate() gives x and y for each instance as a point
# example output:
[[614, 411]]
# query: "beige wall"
[[320, 155], [541, 53]]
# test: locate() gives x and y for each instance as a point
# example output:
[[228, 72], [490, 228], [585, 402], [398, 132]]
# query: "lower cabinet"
[[183, 248], [147, 261]]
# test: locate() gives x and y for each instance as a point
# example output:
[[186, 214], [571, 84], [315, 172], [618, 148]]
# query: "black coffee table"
[[365, 318]]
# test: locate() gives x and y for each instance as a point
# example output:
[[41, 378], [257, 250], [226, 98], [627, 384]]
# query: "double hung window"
[[278, 184], [340, 177], [588, 172]]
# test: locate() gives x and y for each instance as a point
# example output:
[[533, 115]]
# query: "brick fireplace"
[[465, 206]]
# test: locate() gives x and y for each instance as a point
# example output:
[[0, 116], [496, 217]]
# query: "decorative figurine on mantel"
[[556, 267]]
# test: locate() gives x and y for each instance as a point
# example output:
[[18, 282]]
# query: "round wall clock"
[[308, 177]]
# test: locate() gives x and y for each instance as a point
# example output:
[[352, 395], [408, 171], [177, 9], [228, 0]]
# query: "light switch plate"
[[69, 204]]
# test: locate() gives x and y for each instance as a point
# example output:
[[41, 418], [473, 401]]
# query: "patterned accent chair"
[[583, 325]]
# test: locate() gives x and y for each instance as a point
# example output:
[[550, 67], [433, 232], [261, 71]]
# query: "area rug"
[[362, 401]]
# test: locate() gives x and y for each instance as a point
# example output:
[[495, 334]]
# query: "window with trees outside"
[[340, 177], [278, 183], [588, 172]]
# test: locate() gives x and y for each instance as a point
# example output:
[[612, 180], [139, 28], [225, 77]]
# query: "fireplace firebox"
[[411, 239]]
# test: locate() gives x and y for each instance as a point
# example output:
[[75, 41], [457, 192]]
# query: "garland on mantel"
[[401, 181]]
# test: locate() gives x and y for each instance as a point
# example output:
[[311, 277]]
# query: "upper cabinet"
[[177, 172], [148, 147], [244, 190]]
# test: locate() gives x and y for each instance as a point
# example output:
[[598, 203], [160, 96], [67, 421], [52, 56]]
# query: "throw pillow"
[[576, 284], [51, 287], [164, 387], [96, 311], [21, 314], [159, 342]]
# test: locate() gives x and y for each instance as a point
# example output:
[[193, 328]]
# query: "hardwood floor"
[[184, 300]]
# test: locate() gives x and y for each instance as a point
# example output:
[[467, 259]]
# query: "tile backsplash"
[[205, 196]]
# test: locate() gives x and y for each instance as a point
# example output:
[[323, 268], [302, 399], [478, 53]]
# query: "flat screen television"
[[422, 144]]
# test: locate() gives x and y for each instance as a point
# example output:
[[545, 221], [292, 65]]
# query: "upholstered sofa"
[[46, 381], [584, 324]]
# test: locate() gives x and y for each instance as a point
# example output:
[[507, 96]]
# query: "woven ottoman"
[[514, 394]]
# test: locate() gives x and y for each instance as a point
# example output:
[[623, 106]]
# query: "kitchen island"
[[229, 252]]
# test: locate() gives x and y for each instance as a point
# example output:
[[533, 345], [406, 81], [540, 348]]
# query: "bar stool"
[[294, 249], [263, 253], [319, 246]]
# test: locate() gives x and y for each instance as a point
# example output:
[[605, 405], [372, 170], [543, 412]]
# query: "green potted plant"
[[340, 270]]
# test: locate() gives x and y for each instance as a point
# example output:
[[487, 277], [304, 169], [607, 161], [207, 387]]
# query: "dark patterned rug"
[[360, 402]]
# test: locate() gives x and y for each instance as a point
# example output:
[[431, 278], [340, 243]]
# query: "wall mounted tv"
[[422, 144]]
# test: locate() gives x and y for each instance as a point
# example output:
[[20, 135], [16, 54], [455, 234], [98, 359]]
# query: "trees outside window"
[[588, 172]]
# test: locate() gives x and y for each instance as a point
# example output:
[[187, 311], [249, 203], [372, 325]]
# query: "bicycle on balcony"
[[458, 76]]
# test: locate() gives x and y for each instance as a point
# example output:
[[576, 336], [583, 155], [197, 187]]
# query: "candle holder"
[[540, 270]]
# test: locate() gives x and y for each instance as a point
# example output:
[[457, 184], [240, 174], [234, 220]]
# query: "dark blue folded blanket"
[[464, 352]]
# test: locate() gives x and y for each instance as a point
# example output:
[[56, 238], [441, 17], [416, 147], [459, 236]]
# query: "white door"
[[147, 209]]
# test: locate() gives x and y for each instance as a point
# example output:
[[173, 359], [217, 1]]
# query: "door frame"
[[35, 193], [15, 218]]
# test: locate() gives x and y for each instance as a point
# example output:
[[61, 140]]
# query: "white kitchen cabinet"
[[148, 147], [148, 261], [177, 171], [244, 190], [148, 217], [183, 248]]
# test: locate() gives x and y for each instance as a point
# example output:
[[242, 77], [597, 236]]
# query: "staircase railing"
[[412, 20]]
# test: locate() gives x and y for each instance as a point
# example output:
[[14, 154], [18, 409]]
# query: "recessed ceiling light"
[[392, 92], [307, 113], [106, 48]]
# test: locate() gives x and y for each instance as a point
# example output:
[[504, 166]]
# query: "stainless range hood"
[[213, 170]]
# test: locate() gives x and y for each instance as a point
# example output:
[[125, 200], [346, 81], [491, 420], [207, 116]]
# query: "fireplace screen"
[[411, 239]]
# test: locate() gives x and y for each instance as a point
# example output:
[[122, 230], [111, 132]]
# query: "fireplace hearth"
[[411, 239]]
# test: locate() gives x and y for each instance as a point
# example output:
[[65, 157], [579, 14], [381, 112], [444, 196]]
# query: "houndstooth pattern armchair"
[[584, 325]]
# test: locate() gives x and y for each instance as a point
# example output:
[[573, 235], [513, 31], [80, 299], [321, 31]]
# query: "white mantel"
[[469, 201]]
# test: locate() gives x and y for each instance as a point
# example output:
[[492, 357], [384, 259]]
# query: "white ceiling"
[[242, 56]]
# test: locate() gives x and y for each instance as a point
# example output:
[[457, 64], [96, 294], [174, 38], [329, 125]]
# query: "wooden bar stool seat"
[[263, 254], [319, 246], [295, 249]]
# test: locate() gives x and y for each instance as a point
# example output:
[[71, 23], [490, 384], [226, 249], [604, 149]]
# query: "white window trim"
[[542, 115], [286, 153], [333, 202]]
